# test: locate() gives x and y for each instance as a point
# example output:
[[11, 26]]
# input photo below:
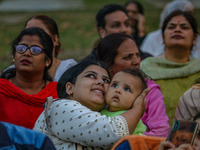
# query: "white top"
[[153, 44], [63, 66], [69, 123]]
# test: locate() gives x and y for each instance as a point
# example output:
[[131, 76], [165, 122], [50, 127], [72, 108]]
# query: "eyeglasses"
[[35, 50]]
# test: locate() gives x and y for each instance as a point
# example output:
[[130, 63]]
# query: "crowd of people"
[[126, 92]]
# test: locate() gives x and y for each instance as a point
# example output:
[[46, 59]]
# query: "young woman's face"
[[128, 56], [122, 92], [28, 62], [179, 32], [132, 11], [39, 24], [90, 87]]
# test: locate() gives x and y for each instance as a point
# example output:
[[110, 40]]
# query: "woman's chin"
[[98, 106]]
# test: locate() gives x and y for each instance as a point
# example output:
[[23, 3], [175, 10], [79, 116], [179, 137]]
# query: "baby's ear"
[[69, 88]]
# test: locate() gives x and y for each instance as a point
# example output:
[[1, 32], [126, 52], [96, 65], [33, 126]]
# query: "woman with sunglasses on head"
[[24, 89]]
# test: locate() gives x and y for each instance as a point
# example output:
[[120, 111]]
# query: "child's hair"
[[138, 73]]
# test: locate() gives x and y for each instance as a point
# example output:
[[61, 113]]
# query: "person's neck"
[[177, 54], [112, 109], [54, 67], [29, 83]]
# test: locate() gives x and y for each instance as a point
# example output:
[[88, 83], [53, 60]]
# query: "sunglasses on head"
[[35, 50]]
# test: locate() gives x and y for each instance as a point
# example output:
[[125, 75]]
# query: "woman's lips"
[[25, 62], [98, 91], [177, 37]]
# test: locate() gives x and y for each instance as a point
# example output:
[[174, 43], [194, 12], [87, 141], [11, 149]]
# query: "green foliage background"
[[77, 28]]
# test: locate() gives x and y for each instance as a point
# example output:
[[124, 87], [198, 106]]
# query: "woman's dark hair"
[[188, 16], [138, 73], [46, 42], [51, 25], [72, 73], [138, 5], [107, 48]]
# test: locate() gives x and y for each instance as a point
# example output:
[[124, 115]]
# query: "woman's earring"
[[13, 60], [47, 64]]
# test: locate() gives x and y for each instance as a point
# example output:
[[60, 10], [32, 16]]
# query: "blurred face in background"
[[38, 23], [133, 12], [179, 32], [127, 57], [115, 22]]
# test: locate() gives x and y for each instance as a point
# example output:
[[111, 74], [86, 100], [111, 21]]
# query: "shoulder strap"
[[48, 103]]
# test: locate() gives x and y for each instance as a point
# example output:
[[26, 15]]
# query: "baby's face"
[[122, 92]]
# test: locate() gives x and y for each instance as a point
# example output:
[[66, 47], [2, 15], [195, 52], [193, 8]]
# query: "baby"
[[124, 88]]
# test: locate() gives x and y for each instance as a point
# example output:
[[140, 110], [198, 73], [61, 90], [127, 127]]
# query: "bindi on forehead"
[[178, 22], [179, 19]]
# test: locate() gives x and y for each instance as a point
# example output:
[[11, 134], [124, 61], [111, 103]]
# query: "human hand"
[[166, 145], [141, 100], [184, 147]]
